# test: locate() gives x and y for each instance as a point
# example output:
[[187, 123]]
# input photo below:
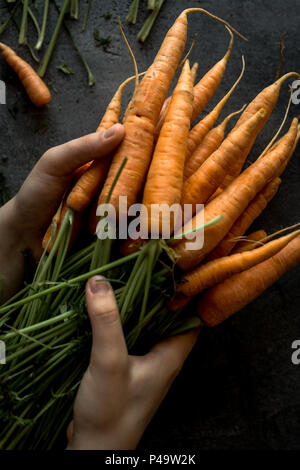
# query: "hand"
[[25, 218], [119, 393]]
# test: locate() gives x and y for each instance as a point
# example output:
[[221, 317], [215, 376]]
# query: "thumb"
[[109, 349]]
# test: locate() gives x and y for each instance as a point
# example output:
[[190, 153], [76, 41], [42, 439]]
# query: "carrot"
[[204, 182], [232, 202], [205, 88], [230, 296], [90, 182], [58, 219], [210, 143], [35, 88], [201, 129], [250, 242], [241, 225], [166, 169], [266, 99], [142, 115], [214, 272]]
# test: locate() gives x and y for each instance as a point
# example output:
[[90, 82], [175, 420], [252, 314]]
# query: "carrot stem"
[[49, 51], [34, 21], [43, 28], [23, 29], [74, 9], [210, 223], [86, 15], [151, 4], [133, 11], [11, 15], [146, 28]]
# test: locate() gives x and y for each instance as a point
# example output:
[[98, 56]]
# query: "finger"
[[109, 348], [64, 159], [167, 357]]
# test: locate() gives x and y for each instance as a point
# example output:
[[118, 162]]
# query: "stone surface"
[[239, 388]]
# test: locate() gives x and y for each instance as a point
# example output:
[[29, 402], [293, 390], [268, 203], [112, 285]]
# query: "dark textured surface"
[[239, 388]]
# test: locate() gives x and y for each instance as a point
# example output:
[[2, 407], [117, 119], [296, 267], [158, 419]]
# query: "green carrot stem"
[[91, 78], [34, 21], [70, 283], [86, 15], [23, 29], [74, 9], [41, 37], [145, 31], [210, 223], [151, 4], [133, 11], [38, 326], [49, 51], [11, 15]]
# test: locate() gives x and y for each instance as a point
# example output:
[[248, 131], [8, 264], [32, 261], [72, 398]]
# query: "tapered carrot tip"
[[36, 89]]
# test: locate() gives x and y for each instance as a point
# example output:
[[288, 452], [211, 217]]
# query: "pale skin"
[[119, 393]]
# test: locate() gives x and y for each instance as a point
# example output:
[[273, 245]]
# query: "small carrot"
[[232, 202], [214, 272], [230, 296], [204, 182], [166, 169], [250, 242], [90, 182], [210, 143], [142, 115], [35, 88], [241, 225], [200, 130], [266, 99], [205, 88]]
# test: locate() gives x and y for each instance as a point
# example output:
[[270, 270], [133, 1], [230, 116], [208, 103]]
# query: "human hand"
[[25, 218], [120, 393]]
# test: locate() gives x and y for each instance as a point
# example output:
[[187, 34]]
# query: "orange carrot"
[[205, 88], [90, 182], [241, 225], [250, 242], [266, 99], [201, 129], [214, 272], [166, 169], [210, 143], [35, 88], [142, 115], [232, 202], [232, 295], [204, 182]]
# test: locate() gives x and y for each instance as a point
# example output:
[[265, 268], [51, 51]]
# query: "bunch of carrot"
[[163, 159]]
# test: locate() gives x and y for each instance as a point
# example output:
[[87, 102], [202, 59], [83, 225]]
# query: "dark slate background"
[[239, 389]]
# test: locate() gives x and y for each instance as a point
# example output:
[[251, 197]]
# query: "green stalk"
[[41, 37], [70, 283], [74, 9], [35, 21], [145, 31], [38, 326], [91, 78], [88, 8], [6, 23], [49, 51], [133, 11], [210, 223], [23, 29], [151, 4]]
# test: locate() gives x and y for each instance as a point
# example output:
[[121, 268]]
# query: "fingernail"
[[99, 284], [110, 132]]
